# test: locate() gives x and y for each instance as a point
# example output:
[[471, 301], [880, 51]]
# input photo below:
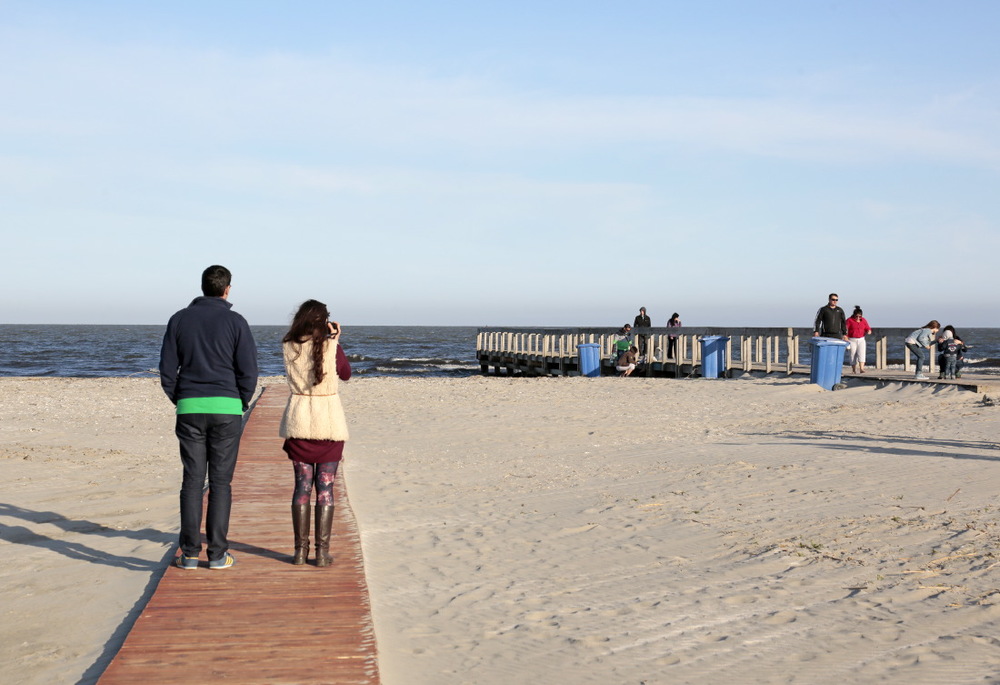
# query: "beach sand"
[[91, 475], [560, 530]]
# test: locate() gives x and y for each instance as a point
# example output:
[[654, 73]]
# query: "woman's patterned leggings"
[[322, 475]]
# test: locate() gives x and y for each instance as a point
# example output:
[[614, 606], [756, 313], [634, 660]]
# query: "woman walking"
[[857, 329], [313, 425]]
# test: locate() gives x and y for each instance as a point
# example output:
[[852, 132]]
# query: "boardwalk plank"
[[263, 621]]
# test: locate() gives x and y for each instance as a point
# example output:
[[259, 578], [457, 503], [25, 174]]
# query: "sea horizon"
[[99, 350]]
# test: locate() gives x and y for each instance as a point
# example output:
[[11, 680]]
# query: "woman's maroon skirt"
[[314, 451]]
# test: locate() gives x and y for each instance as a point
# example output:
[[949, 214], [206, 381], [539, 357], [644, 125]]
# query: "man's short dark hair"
[[832, 295], [214, 281]]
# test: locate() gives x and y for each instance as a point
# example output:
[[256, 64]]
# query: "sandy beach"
[[560, 530]]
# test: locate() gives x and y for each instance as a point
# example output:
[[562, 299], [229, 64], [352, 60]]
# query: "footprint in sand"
[[574, 531], [781, 617], [885, 635], [539, 616]]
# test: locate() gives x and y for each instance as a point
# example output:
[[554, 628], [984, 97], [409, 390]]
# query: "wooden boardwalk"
[[556, 352], [263, 621]]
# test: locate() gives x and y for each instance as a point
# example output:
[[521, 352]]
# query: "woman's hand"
[[334, 330]]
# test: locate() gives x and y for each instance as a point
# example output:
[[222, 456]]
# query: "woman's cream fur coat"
[[313, 411]]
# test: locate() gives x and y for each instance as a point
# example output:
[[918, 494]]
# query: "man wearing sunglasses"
[[831, 322]]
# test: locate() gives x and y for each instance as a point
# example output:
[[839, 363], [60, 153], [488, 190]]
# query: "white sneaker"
[[921, 377]]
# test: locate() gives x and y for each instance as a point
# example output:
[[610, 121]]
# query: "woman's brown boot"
[[324, 524], [300, 524]]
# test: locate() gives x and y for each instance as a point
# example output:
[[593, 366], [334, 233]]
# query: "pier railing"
[[554, 351]]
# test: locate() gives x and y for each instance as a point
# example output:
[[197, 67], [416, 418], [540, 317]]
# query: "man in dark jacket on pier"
[[641, 321], [208, 369], [831, 322]]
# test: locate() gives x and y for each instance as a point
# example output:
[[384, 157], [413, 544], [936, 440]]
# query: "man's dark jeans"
[[209, 444]]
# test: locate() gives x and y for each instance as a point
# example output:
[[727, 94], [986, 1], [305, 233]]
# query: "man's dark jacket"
[[208, 351], [831, 322]]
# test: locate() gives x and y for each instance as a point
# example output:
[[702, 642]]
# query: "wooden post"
[[679, 349]]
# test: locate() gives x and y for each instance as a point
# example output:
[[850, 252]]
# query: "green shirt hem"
[[210, 405]]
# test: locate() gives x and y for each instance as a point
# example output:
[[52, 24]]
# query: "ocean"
[[420, 351], [96, 351]]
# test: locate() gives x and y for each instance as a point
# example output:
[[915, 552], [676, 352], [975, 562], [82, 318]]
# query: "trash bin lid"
[[827, 341]]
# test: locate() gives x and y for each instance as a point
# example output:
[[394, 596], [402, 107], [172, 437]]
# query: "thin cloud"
[[160, 98]]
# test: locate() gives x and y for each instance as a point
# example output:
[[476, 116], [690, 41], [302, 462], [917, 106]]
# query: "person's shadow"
[[892, 445], [23, 535]]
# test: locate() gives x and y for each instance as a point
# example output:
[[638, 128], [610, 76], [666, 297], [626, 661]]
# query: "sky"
[[540, 163]]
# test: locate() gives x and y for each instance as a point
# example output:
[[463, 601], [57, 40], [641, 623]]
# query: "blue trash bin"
[[827, 362], [713, 356], [590, 359]]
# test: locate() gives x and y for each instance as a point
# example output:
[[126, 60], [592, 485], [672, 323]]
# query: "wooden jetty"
[[263, 621], [555, 352]]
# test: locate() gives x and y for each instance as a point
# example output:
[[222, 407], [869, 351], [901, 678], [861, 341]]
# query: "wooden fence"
[[554, 351]]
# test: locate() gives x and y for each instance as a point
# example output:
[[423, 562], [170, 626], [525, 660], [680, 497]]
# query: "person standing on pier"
[[208, 369], [675, 322], [641, 321], [946, 336], [951, 353], [831, 322]]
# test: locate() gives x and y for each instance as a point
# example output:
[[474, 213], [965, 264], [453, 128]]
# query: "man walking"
[[208, 369], [830, 320]]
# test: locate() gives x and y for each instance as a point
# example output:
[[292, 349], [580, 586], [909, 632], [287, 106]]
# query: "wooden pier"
[[265, 620], [555, 352]]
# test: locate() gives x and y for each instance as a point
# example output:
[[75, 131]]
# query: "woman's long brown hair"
[[310, 324]]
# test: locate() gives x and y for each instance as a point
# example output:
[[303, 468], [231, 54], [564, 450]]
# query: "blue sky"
[[516, 163]]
